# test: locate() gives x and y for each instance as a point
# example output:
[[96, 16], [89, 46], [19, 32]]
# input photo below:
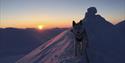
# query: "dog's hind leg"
[[76, 49]]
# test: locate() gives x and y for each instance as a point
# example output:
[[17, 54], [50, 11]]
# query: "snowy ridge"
[[57, 50]]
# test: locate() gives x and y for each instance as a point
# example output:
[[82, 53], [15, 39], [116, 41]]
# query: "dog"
[[80, 37]]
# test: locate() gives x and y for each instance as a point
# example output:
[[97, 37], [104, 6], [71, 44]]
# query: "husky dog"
[[80, 37]]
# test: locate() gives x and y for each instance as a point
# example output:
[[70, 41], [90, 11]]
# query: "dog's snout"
[[78, 32]]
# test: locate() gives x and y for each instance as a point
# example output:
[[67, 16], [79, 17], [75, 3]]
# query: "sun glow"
[[40, 27]]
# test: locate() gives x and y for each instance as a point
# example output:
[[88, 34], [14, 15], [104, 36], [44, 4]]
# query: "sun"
[[40, 27]]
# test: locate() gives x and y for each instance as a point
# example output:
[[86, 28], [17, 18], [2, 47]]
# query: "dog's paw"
[[71, 30]]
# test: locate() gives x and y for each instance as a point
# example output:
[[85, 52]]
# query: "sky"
[[56, 13]]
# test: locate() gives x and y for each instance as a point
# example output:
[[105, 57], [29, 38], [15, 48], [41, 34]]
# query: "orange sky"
[[55, 13]]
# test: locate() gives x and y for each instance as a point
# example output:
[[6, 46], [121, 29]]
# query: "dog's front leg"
[[76, 48], [81, 48]]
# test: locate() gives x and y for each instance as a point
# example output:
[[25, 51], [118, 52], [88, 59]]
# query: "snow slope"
[[57, 50]]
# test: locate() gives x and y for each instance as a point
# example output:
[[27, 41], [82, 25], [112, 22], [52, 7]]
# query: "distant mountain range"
[[15, 41]]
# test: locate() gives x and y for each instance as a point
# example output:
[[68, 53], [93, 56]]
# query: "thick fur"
[[80, 38]]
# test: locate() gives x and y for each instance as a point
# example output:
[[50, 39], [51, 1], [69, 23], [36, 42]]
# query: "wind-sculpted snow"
[[57, 50]]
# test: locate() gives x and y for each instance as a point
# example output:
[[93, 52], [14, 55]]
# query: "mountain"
[[18, 42], [106, 45]]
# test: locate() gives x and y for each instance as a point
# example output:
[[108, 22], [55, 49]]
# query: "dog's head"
[[77, 30]]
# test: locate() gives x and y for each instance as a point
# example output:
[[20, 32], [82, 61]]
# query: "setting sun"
[[40, 27]]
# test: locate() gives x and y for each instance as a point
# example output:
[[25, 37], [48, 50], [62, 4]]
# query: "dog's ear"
[[80, 22], [73, 23]]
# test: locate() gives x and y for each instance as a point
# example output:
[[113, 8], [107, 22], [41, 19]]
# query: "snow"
[[106, 44], [10, 59], [57, 50]]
